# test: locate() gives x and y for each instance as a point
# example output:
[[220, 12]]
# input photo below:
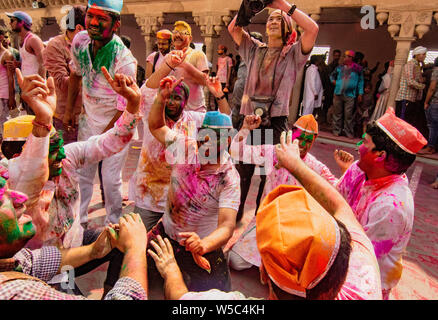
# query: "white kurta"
[[312, 87]]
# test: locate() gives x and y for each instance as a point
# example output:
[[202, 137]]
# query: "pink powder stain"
[[382, 247]]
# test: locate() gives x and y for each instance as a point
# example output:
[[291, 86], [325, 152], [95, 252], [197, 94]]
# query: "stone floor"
[[420, 276]]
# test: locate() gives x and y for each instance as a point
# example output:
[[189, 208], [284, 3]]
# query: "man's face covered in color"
[[16, 227], [99, 24], [305, 139], [181, 37]]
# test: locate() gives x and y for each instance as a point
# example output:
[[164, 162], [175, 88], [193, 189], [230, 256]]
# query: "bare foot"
[[435, 185]]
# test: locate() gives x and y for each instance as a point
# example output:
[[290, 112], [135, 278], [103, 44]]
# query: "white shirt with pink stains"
[[56, 213], [385, 209], [246, 245], [196, 195], [149, 185], [222, 68], [100, 101]]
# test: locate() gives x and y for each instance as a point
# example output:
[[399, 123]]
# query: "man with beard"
[[193, 69], [149, 185], [31, 47], [98, 47], [155, 59]]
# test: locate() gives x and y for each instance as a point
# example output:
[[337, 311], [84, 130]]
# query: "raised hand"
[[343, 159], [176, 57], [39, 94], [288, 152], [167, 85], [214, 86], [123, 85], [251, 122]]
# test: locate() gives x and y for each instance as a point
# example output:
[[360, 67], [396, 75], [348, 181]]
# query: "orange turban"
[[307, 123], [297, 238]]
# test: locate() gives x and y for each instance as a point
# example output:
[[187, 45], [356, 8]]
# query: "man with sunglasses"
[[348, 81], [194, 68], [203, 195]]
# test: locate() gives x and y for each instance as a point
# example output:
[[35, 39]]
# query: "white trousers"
[[111, 180]]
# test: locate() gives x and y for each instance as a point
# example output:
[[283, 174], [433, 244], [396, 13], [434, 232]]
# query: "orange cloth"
[[307, 123], [164, 34], [402, 133], [297, 238]]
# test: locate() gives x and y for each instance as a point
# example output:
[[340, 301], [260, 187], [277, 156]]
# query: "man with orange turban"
[[377, 189], [244, 254], [155, 59], [311, 244]]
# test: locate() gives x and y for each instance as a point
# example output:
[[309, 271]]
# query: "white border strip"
[[393, 138]]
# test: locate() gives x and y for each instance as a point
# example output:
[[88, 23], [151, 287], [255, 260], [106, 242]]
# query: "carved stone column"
[[211, 25], [403, 25], [149, 26]]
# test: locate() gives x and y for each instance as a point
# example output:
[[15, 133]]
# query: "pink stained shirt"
[[222, 68], [284, 63], [56, 212], [149, 185], [101, 102], [246, 245], [362, 281], [199, 60], [57, 57], [385, 209], [195, 195]]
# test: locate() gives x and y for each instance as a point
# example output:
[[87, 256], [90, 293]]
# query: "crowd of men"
[[314, 235]]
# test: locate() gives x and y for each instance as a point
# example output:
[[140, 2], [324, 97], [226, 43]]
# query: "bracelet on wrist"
[[220, 98], [173, 69], [291, 10], [48, 127]]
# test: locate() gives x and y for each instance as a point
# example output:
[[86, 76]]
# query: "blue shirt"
[[349, 80]]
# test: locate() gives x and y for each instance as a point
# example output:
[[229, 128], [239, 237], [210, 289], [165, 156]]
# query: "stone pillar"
[[403, 25], [401, 56], [211, 25], [149, 25]]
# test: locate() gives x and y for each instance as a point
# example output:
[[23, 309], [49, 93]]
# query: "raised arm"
[[236, 32], [37, 46], [214, 86], [310, 27], [172, 60], [11, 80], [29, 171], [328, 197], [241, 151], [157, 119], [83, 153]]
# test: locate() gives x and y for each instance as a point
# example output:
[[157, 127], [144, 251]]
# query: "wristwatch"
[[291, 11]]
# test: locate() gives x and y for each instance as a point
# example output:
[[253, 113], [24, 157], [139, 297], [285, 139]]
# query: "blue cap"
[[217, 120], [23, 16], [107, 5]]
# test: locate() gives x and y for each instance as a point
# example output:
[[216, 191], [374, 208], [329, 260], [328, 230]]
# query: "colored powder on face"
[[12, 231], [2, 182]]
